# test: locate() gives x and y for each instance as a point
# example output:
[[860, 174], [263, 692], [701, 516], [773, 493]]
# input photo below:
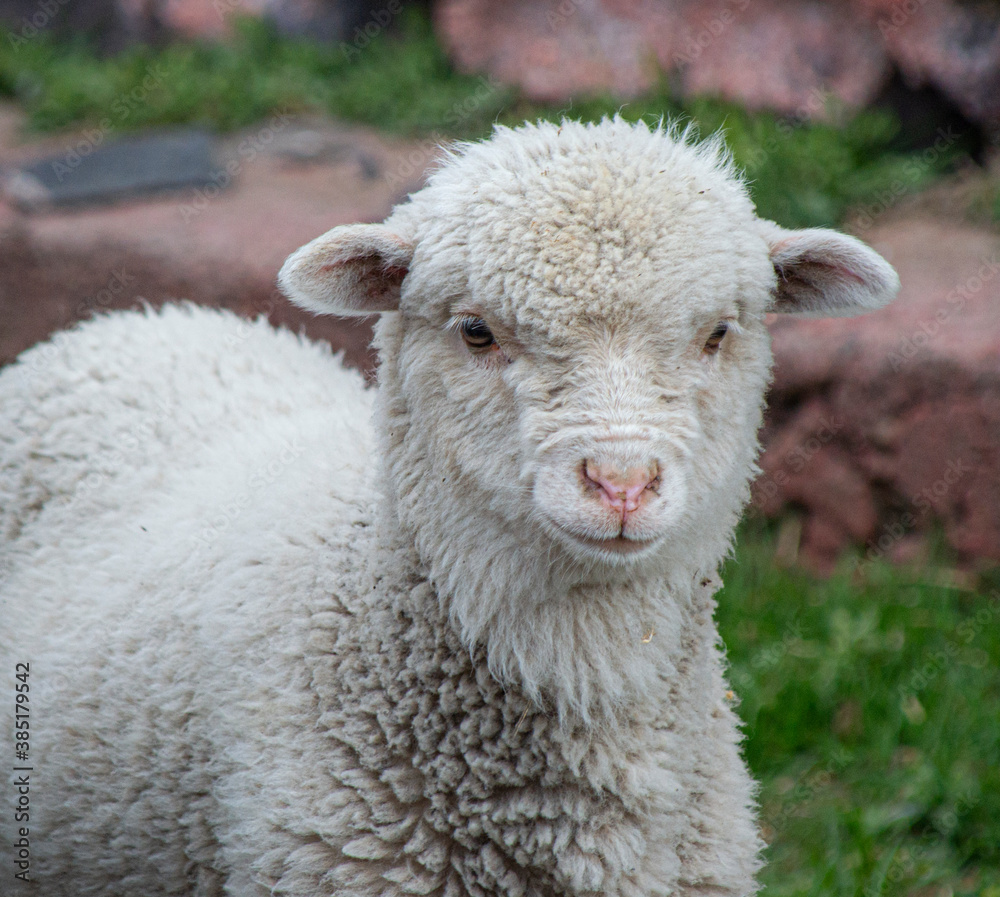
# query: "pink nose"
[[621, 490]]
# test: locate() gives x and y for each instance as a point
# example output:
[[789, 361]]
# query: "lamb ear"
[[356, 269], [823, 273]]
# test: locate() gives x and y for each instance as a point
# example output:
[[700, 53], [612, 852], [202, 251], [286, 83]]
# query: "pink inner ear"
[[846, 272], [836, 269], [807, 260], [823, 272], [369, 263], [379, 280]]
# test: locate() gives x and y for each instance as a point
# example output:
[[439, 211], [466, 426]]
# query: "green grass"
[[872, 710], [802, 173], [401, 83]]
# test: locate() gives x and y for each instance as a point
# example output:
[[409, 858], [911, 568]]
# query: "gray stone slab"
[[119, 169]]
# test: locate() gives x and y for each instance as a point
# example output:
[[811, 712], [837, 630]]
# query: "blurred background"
[[155, 150]]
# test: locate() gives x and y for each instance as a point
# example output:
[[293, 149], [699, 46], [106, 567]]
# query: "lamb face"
[[579, 348], [602, 418], [572, 372]]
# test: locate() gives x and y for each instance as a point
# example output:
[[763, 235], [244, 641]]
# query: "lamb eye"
[[715, 340], [476, 334]]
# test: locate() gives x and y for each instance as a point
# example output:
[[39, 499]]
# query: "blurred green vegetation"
[[984, 205], [801, 172], [872, 709]]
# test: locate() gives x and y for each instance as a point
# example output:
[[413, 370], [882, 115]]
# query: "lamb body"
[[263, 663]]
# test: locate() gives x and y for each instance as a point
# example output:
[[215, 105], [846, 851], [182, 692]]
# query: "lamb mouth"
[[618, 545]]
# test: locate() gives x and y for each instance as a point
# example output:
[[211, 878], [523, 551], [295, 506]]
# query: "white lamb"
[[260, 661]]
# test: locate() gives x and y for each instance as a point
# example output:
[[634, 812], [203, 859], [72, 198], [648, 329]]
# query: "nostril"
[[622, 489]]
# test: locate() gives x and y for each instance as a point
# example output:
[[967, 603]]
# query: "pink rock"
[[114, 24], [913, 394], [291, 181], [951, 45], [794, 58], [551, 50], [194, 18], [197, 18], [790, 57]]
